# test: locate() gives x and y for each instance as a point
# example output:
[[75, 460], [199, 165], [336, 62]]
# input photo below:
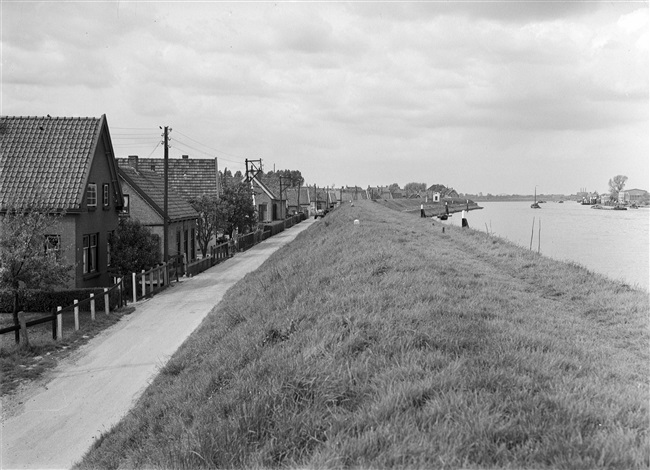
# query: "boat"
[[535, 205]]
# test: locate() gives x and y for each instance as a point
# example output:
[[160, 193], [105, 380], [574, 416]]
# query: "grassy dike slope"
[[392, 344]]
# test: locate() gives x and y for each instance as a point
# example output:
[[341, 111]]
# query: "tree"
[[414, 188], [210, 214], [235, 209], [616, 185], [30, 258], [294, 176], [393, 187], [133, 248]]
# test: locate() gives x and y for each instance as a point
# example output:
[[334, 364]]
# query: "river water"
[[613, 243]]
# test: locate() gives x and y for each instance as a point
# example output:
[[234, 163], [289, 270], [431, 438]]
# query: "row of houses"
[[68, 165]]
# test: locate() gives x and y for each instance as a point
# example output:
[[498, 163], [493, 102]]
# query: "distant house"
[[189, 177], [144, 192], [68, 165], [318, 199], [297, 200], [353, 193], [333, 198], [268, 203], [444, 192], [634, 196]]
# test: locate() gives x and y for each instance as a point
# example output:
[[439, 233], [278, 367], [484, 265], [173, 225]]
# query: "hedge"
[[47, 301]]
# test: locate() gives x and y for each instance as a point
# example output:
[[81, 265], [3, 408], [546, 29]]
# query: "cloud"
[[324, 86]]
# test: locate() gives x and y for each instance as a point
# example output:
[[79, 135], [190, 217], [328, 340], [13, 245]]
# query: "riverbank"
[[392, 343]]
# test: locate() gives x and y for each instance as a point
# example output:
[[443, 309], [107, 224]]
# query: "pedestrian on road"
[[422, 214]]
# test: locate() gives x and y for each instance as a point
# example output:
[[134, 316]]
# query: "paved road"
[[91, 391]]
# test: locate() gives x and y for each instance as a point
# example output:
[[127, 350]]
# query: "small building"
[[67, 165], [144, 193]]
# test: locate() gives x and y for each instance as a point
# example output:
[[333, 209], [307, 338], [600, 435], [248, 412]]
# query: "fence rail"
[[57, 319]]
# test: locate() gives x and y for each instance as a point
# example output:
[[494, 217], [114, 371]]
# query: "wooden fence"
[[56, 317]]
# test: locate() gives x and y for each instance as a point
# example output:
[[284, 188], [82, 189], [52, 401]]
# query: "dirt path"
[[53, 424]]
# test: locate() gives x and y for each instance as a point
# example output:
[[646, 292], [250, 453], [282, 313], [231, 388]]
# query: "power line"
[[188, 146], [211, 148]]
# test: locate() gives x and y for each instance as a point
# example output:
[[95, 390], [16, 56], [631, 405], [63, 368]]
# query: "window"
[[127, 205], [106, 195], [53, 245], [91, 195], [90, 253]]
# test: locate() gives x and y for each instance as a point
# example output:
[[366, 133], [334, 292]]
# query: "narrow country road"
[[93, 389]]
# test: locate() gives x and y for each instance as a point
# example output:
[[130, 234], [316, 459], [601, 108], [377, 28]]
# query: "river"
[[613, 243]]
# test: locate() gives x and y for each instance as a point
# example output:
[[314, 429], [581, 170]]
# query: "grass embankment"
[[21, 365], [391, 344]]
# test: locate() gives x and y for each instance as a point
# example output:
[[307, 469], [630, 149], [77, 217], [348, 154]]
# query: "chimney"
[[185, 157], [133, 161]]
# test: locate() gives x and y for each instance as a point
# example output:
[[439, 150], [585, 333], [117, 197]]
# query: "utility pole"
[[281, 216], [291, 181], [166, 200]]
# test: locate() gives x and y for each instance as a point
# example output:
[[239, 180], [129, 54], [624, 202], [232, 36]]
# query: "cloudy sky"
[[496, 97]]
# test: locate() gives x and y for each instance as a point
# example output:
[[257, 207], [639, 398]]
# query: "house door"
[[275, 212], [261, 211]]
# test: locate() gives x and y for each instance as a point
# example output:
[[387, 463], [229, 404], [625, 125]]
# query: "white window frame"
[[106, 194], [91, 195]]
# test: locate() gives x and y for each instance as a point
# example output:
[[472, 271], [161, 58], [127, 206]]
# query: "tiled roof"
[[151, 186], [292, 196], [272, 183], [189, 177], [46, 160]]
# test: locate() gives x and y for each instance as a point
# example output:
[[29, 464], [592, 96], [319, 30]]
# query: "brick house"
[[67, 165], [144, 193]]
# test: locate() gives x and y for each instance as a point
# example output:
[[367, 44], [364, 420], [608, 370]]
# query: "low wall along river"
[[613, 243]]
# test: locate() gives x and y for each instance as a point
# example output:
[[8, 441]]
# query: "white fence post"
[[166, 273], [135, 288], [107, 305], [92, 306], [76, 315], [151, 279], [59, 323], [144, 284]]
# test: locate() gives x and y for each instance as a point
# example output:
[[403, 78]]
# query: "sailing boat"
[[535, 205]]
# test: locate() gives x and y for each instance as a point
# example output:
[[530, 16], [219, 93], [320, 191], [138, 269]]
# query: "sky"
[[500, 97]]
